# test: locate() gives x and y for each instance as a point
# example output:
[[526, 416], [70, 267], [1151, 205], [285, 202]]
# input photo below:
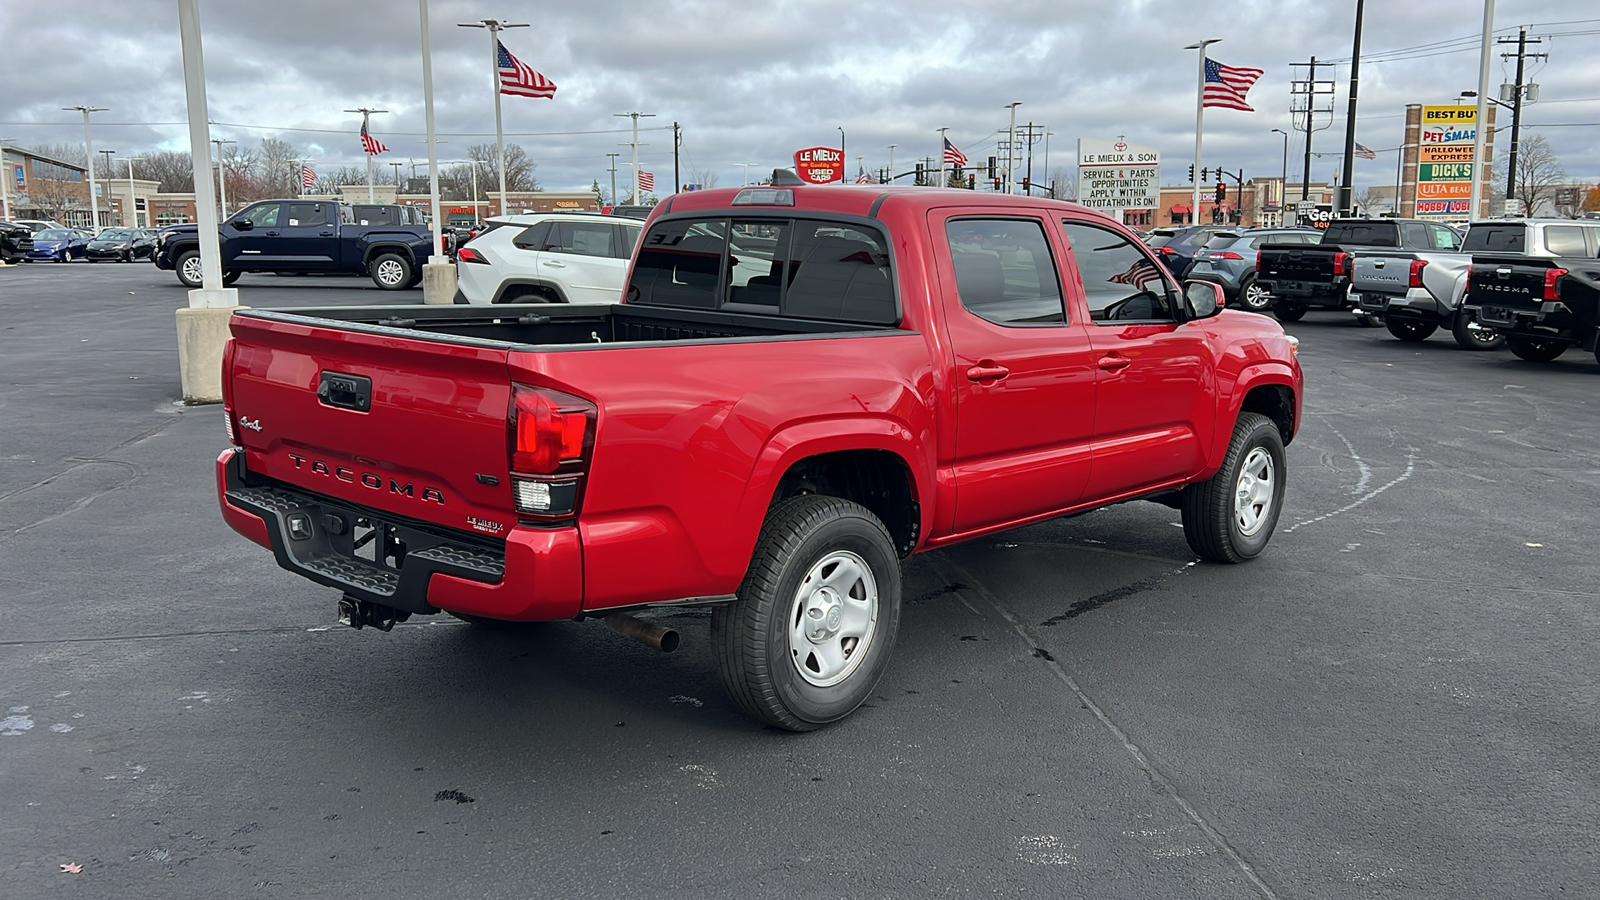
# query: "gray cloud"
[[754, 82]]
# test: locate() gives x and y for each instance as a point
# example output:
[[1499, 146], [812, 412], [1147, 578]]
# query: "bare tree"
[[705, 177], [519, 168], [55, 198], [1369, 198], [1591, 203], [173, 168], [1538, 174], [1065, 181], [67, 153], [278, 163]]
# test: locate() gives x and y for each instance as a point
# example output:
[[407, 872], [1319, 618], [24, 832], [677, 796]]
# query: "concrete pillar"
[[202, 332], [439, 282]]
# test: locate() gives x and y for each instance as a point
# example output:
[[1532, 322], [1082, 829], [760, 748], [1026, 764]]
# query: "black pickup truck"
[[304, 237], [1543, 305], [1302, 276]]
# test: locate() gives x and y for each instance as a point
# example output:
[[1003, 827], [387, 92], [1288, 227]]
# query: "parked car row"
[[20, 241]]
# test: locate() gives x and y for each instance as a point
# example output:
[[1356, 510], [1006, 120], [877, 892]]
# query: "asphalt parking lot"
[[1398, 699]]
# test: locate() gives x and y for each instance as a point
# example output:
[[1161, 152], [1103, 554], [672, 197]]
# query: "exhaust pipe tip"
[[648, 633]]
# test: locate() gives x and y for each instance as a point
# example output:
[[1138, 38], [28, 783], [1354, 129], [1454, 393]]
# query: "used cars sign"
[[819, 165]]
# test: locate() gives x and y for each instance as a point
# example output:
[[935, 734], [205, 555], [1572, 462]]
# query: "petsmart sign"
[[819, 165], [1116, 175]]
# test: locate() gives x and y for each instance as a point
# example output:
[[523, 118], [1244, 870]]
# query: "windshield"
[[54, 234], [114, 236]]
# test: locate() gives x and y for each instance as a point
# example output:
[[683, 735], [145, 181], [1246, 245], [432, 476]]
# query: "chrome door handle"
[[987, 372], [1114, 362], [554, 263]]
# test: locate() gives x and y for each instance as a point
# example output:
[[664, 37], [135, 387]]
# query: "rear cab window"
[[1372, 234], [1495, 238], [796, 267]]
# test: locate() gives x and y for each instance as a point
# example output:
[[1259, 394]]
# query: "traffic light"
[[972, 181], [1025, 184], [1191, 169], [1222, 192], [919, 173], [991, 167]]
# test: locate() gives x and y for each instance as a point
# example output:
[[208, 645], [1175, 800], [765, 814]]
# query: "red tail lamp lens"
[[469, 255], [1550, 277], [550, 428], [1417, 265]]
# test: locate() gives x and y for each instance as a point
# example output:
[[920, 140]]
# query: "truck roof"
[[860, 200]]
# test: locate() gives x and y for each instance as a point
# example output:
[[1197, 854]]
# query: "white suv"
[[548, 258]]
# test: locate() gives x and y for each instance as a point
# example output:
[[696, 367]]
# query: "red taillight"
[[1550, 278], [1258, 260], [1341, 263], [1168, 251], [549, 428], [469, 255], [1226, 254], [1417, 265], [227, 391]]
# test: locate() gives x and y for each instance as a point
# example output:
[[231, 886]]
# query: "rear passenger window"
[[1444, 238], [1565, 240], [807, 269], [582, 238], [1004, 271], [532, 238], [307, 214], [1120, 282]]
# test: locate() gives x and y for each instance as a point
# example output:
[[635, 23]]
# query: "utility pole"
[[1011, 143], [1027, 178], [635, 116], [1306, 91], [495, 26], [397, 166], [613, 177], [88, 154], [677, 141], [1346, 182], [1516, 109], [222, 176]]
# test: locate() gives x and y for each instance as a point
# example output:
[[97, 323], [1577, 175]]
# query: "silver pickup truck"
[[1416, 292]]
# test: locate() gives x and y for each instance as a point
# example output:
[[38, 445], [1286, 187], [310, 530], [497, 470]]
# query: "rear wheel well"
[[400, 250], [1276, 402], [877, 479], [542, 293]]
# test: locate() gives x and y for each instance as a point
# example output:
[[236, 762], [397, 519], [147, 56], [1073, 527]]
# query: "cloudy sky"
[[753, 82]]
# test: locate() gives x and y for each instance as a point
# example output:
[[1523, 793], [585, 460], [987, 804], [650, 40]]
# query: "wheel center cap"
[[824, 613]]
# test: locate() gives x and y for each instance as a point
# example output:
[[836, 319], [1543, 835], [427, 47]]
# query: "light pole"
[[88, 154], [891, 162], [1283, 179], [133, 205], [431, 284], [743, 179], [495, 26], [1011, 142], [106, 154], [222, 175], [1480, 128], [1052, 181], [943, 179], [397, 166], [613, 177], [635, 145], [5, 180], [842, 179]]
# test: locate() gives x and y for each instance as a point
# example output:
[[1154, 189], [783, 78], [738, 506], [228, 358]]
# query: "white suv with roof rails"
[[548, 258]]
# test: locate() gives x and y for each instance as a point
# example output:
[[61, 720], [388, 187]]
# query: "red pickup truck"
[[800, 386]]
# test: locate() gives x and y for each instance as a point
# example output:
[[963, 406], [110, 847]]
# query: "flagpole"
[[438, 256], [1199, 127], [499, 129], [942, 140]]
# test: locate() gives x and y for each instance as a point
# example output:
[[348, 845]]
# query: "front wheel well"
[[877, 479], [1276, 402]]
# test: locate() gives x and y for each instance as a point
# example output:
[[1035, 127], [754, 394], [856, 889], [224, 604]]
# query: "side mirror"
[[242, 224], [1203, 298]]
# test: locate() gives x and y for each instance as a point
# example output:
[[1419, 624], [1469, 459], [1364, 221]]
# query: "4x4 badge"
[[253, 425]]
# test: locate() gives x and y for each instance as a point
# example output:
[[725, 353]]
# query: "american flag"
[[516, 78], [1140, 274], [647, 181], [953, 156], [372, 145], [308, 178], [1365, 152], [1227, 85], [863, 178]]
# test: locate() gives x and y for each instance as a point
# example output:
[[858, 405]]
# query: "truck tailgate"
[[331, 410], [1378, 272]]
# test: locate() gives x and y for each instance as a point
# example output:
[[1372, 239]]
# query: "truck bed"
[[549, 326]]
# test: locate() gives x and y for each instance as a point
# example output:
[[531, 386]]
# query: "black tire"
[[187, 268], [392, 272], [805, 539], [1410, 331], [1470, 335], [1289, 312], [1535, 349], [1210, 522], [228, 278], [1253, 297], [127, 256]]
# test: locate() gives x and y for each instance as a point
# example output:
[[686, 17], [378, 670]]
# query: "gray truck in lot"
[[1417, 292], [1300, 277]]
